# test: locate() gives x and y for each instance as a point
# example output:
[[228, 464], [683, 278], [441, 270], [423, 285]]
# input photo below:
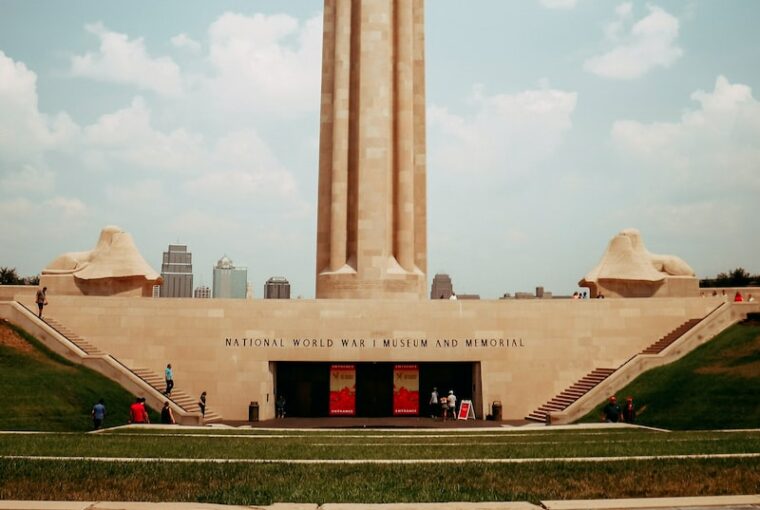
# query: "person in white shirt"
[[434, 403], [452, 404]]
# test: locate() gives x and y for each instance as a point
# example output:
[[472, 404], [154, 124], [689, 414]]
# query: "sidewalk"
[[751, 502]]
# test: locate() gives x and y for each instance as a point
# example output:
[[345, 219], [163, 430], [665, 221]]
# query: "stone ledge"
[[693, 503]]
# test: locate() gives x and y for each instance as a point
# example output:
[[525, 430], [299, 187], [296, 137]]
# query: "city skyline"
[[552, 126]]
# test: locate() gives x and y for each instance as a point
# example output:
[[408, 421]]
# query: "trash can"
[[253, 411], [496, 410]]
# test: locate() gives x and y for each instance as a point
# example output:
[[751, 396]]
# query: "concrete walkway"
[[751, 502]]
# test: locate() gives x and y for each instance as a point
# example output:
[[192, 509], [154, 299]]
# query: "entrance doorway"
[[306, 386]]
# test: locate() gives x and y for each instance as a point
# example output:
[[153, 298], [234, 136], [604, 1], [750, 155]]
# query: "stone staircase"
[[571, 394], [596, 376], [179, 397], [77, 340], [661, 344]]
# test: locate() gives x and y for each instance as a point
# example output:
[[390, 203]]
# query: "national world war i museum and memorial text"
[[372, 343]]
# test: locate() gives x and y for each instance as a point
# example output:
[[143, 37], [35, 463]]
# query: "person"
[[453, 297], [715, 293], [202, 404], [576, 295], [167, 416], [452, 404], [738, 297], [280, 406], [750, 299], [169, 376], [444, 402], [41, 299], [98, 414], [137, 412], [629, 411], [611, 413], [434, 402]]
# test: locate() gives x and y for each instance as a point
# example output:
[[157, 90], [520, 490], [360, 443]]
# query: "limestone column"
[[371, 221]]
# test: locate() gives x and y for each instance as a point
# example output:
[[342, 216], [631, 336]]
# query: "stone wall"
[[528, 351]]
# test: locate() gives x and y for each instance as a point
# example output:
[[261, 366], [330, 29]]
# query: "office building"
[[202, 292], [442, 287], [229, 281], [177, 272], [277, 287]]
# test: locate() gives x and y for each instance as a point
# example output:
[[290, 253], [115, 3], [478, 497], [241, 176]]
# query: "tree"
[[738, 277], [9, 276]]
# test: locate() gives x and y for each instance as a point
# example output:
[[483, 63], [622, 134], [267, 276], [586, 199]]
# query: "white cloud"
[[128, 136], [559, 4], [651, 43], [121, 60], [68, 207], [140, 193], [242, 166], [269, 63], [507, 133], [184, 41], [712, 147], [24, 130], [29, 179]]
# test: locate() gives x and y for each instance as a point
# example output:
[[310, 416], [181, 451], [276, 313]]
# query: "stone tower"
[[371, 222]]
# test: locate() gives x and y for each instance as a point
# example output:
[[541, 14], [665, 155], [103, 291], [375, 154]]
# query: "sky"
[[551, 126]]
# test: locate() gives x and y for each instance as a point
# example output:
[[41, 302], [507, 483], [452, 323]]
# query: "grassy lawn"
[[716, 386], [43, 391], [492, 445], [723, 368], [265, 483]]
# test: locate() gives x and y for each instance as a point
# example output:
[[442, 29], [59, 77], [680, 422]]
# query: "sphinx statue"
[[113, 267], [628, 269]]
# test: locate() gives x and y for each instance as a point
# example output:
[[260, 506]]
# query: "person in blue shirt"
[[169, 376], [98, 414]]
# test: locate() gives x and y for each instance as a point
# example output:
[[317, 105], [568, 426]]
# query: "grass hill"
[[43, 391], [716, 386]]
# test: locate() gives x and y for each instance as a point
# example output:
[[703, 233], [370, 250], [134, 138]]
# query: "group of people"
[[613, 412], [138, 412], [738, 297], [443, 406]]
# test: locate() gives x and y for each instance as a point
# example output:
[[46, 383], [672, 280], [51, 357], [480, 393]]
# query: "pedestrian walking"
[[433, 404], [167, 416], [41, 299], [202, 404], [452, 404], [169, 376], [137, 412], [98, 414]]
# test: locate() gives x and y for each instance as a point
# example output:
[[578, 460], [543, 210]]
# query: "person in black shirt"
[[611, 413]]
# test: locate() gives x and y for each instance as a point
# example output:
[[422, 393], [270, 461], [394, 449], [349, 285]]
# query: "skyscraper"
[[442, 287], [277, 287], [202, 292], [229, 281], [177, 272]]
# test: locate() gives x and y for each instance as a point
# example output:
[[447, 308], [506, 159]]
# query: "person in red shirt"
[[137, 412], [738, 297]]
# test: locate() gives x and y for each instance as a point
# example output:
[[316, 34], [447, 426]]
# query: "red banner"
[[342, 390], [406, 390]]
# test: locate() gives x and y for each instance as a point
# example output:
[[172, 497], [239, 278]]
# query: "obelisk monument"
[[371, 221]]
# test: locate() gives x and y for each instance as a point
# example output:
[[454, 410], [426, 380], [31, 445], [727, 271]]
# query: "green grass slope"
[[43, 391], [716, 386]]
